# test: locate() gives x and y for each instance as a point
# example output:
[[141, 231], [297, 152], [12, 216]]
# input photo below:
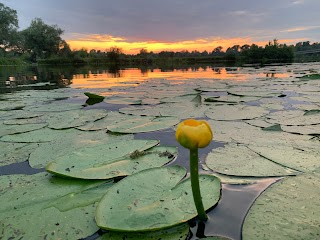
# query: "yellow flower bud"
[[194, 134]]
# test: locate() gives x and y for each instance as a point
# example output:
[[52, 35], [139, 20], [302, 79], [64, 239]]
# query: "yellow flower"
[[194, 134]]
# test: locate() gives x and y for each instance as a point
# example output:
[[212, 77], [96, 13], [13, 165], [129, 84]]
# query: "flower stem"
[[195, 184]]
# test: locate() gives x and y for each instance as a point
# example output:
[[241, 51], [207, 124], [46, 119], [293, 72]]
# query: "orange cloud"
[[104, 42]]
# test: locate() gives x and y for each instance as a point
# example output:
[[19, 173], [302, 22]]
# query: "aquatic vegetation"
[[264, 128], [194, 134]]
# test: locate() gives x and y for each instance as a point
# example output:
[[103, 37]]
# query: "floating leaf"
[[11, 105], [300, 160], [143, 124], [185, 110], [54, 107], [48, 152], [38, 198], [15, 152], [116, 158], [227, 112], [123, 100], [310, 77], [15, 129], [110, 119], [308, 129], [178, 232], [287, 210], [93, 96], [154, 199], [239, 160], [75, 118], [40, 135]]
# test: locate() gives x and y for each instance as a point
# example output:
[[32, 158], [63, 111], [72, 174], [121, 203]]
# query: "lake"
[[264, 121]]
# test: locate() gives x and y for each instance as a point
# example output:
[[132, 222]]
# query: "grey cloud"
[[170, 20]]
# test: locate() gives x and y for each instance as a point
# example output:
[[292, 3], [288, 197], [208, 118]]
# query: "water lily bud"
[[194, 134]]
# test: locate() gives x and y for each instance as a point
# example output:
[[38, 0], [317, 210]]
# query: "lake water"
[[227, 217]]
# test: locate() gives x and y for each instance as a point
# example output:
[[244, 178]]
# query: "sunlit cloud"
[[298, 29], [104, 42]]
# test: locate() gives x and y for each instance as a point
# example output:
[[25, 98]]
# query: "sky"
[[174, 25]]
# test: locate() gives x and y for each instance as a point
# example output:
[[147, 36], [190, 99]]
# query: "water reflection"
[[44, 77]]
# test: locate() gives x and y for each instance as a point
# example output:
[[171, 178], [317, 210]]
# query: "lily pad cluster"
[[268, 127]]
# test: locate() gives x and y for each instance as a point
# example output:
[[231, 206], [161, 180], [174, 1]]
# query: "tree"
[[41, 40], [8, 27], [113, 54]]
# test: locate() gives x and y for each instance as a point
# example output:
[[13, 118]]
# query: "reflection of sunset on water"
[[134, 76]]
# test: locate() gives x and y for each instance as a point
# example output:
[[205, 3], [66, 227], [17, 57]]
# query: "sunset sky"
[[175, 25]]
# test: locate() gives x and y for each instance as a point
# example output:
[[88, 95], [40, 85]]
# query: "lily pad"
[[49, 151], [178, 232], [154, 199], [308, 129], [123, 100], [300, 160], [40, 135], [59, 208], [15, 152], [110, 119], [143, 124], [238, 112], [94, 96], [185, 110], [75, 118], [55, 106], [11, 105], [15, 129], [116, 158], [287, 210], [239, 160]]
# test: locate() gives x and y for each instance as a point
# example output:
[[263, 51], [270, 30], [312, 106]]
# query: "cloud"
[[299, 29]]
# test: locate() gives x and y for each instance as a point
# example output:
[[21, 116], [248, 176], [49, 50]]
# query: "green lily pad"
[[23, 121], [15, 129], [49, 151], [154, 199], [110, 119], [15, 152], [116, 158], [40, 135], [181, 110], [57, 208], [308, 129], [287, 210], [293, 118], [75, 118], [300, 160], [315, 76], [231, 99], [93, 96], [11, 105], [123, 100], [178, 232], [239, 160], [54, 107], [143, 124], [238, 112]]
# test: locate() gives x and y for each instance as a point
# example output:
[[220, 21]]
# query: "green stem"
[[194, 172]]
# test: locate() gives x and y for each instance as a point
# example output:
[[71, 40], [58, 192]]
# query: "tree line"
[[42, 43]]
